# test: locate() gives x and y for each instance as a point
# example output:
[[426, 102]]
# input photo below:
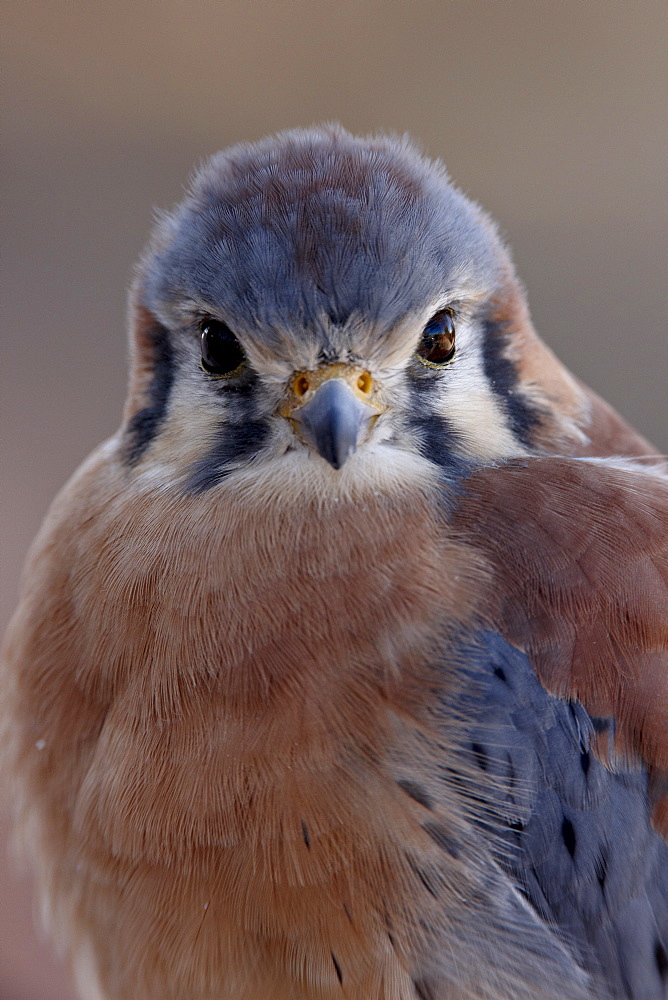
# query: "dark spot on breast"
[[423, 990], [416, 792], [585, 761], [306, 835], [661, 959], [337, 967], [568, 836], [501, 674], [441, 837], [424, 878]]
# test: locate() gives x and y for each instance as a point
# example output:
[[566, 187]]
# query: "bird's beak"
[[333, 409]]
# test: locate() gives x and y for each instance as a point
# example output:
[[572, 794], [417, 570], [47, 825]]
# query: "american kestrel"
[[340, 672]]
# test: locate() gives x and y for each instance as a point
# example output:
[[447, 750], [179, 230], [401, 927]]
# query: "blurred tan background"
[[548, 113]]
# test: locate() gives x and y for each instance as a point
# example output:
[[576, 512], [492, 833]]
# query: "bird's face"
[[330, 305]]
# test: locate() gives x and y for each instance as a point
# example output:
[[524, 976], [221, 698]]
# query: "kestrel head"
[[321, 298]]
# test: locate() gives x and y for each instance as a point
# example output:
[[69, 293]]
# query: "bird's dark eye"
[[222, 354], [437, 345]]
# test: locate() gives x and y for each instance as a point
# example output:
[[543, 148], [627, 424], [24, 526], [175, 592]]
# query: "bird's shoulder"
[[578, 550]]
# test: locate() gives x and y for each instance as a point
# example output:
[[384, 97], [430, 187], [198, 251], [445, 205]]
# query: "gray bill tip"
[[334, 420]]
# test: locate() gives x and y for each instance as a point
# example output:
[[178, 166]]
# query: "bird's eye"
[[222, 354], [437, 346]]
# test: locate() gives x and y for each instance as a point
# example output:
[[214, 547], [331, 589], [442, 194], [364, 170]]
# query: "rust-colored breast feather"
[[580, 557], [212, 738]]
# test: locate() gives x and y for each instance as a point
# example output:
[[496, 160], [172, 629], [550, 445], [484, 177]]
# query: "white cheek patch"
[[190, 427], [471, 407]]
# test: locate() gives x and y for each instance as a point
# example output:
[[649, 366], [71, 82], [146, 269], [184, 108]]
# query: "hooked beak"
[[336, 416]]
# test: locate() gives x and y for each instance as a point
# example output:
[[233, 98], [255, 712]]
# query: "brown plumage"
[[271, 714], [580, 554]]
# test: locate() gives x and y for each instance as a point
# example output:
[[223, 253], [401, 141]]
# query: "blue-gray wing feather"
[[575, 837]]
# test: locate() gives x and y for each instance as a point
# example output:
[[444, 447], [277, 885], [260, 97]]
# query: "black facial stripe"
[[438, 441], [235, 442], [502, 376], [144, 425], [240, 436]]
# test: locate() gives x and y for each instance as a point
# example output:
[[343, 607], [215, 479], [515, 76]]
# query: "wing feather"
[[579, 557]]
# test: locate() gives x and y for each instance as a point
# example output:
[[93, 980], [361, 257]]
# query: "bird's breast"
[[262, 674], [258, 651]]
